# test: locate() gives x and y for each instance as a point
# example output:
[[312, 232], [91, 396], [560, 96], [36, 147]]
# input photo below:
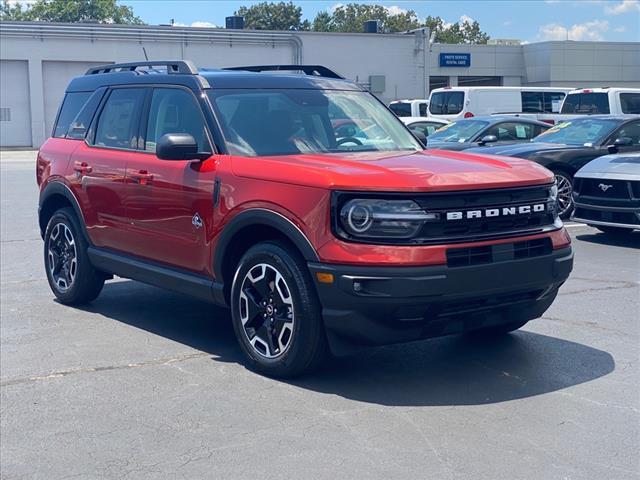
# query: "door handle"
[[142, 177], [82, 168]]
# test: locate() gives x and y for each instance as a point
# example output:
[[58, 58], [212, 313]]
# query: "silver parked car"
[[606, 193]]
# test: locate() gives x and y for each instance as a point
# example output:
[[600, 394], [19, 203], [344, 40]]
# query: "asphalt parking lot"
[[146, 383]]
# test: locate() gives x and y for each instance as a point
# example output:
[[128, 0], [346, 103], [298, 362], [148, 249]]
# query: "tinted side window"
[[80, 125], [423, 109], [71, 105], [174, 111], [401, 109], [532, 102], [427, 128], [553, 101], [630, 130], [446, 103], [630, 102], [592, 103], [511, 131], [118, 122]]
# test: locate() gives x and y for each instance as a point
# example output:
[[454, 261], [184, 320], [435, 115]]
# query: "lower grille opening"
[[626, 218], [456, 308], [467, 257]]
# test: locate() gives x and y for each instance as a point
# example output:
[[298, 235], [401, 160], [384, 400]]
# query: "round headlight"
[[359, 218]]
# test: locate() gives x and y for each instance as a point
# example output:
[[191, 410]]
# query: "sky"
[[525, 20]]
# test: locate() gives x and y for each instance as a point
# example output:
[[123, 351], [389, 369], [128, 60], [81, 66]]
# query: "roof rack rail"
[[173, 66], [314, 70]]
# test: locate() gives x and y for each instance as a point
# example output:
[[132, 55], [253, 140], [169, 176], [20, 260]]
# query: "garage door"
[[15, 110], [56, 76]]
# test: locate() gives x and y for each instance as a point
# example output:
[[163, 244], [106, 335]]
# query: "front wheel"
[[565, 194], [276, 312]]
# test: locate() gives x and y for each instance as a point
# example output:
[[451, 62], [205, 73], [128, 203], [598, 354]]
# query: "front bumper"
[[620, 217], [367, 306]]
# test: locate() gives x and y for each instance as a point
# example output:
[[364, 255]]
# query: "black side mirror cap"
[[488, 139], [179, 146], [620, 142]]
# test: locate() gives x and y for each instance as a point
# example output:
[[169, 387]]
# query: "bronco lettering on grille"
[[496, 212]]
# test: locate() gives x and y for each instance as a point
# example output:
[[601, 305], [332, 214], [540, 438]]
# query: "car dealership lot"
[[145, 383]]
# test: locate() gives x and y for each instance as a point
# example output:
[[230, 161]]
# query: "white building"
[[38, 59]]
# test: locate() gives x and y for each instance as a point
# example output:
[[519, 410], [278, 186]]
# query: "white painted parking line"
[[575, 225]]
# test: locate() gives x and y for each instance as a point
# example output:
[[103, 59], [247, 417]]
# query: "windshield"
[[446, 103], [461, 131], [286, 122], [585, 131]]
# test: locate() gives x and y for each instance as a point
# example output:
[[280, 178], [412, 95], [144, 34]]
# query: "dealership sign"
[[455, 59]]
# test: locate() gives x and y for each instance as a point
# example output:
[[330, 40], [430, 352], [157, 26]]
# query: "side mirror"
[[620, 142], [420, 136], [488, 139], [179, 146]]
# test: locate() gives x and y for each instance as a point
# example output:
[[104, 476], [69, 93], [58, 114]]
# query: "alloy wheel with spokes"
[[62, 257], [565, 191], [266, 310]]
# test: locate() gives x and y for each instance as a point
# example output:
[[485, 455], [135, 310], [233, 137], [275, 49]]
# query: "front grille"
[[593, 187], [466, 257], [492, 201]]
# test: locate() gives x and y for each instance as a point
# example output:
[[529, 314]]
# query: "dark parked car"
[[484, 131], [568, 146]]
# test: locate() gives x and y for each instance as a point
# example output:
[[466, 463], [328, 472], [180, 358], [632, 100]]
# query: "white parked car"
[[410, 108], [606, 193], [424, 125], [452, 103], [599, 101]]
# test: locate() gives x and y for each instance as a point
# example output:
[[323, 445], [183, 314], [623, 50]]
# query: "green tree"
[[351, 18], [100, 11], [273, 16], [460, 32]]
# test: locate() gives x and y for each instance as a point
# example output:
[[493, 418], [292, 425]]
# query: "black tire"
[[86, 282], [565, 194], [303, 346], [613, 230], [498, 330]]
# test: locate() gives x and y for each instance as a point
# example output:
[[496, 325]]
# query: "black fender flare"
[[260, 216], [59, 188]]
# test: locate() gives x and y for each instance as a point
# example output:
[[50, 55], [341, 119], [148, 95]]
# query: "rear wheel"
[[276, 312], [71, 276], [565, 192]]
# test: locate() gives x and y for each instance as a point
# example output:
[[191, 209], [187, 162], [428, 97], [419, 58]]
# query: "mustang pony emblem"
[[604, 187]]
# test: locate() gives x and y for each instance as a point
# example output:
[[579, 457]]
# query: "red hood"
[[395, 171]]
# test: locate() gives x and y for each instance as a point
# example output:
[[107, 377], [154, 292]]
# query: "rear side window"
[[588, 103], [174, 111], [119, 120], [630, 102], [423, 109], [80, 125], [541, 102], [401, 109], [513, 131], [71, 106], [427, 128], [446, 103]]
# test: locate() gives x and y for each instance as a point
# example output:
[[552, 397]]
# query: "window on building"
[[438, 82], [174, 111], [71, 105], [630, 103], [118, 122], [479, 81]]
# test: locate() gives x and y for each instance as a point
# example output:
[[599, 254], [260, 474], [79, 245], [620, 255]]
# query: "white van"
[[598, 101], [410, 108], [452, 103]]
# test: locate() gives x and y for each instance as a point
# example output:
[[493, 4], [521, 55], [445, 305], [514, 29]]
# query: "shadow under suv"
[[233, 186]]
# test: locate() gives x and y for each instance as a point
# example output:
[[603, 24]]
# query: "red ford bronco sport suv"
[[241, 187]]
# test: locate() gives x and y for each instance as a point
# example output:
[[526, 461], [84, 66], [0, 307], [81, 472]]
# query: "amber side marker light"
[[324, 277]]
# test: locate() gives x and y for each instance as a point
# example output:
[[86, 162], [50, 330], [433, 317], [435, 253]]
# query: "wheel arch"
[[247, 229], [57, 195]]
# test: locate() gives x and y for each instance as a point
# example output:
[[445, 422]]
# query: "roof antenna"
[[145, 54]]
